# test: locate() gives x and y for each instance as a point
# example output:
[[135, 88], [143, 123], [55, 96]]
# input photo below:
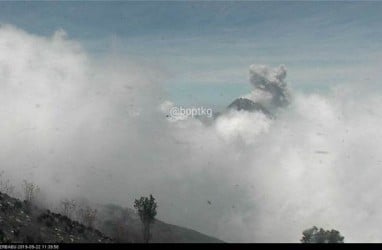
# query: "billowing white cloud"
[[59, 108], [242, 125]]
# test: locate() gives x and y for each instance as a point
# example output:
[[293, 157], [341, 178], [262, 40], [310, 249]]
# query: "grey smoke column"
[[270, 85]]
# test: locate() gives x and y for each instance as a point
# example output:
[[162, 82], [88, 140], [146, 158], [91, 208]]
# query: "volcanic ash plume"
[[270, 87]]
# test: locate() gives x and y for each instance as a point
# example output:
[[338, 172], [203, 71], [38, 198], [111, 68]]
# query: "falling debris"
[[321, 152]]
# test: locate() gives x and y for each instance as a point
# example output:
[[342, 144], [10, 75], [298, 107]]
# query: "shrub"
[[30, 191], [315, 235], [87, 216]]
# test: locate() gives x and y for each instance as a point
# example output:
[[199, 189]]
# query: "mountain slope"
[[125, 225], [21, 222], [248, 105]]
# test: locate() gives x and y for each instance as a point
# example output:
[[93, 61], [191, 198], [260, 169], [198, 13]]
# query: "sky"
[[86, 89], [206, 47]]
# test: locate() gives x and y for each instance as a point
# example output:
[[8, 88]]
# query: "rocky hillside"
[[21, 222]]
